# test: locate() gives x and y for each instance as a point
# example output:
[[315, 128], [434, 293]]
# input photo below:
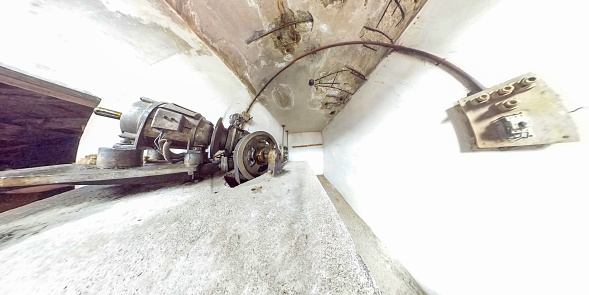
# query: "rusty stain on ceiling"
[[255, 38]]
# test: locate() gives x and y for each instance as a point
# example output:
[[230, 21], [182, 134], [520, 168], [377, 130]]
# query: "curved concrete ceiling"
[[255, 38]]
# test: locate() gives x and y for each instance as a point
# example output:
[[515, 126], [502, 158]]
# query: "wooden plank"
[[36, 108], [53, 123], [11, 148], [8, 131], [40, 86]]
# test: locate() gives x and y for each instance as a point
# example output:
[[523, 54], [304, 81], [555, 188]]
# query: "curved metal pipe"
[[467, 80]]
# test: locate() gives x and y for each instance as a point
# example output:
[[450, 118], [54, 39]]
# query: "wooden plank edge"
[[34, 84]]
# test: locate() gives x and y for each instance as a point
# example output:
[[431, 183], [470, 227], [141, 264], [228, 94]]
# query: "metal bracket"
[[520, 112]]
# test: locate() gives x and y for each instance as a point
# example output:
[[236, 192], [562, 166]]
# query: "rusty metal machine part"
[[251, 154], [119, 158], [219, 137], [226, 138], [157, 128], [149, 120], [274, 162], [194, 157]]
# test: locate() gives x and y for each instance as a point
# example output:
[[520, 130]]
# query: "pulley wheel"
[[218, 138], [251, 154]]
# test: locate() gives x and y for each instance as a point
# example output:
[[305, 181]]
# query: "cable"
[[157, 139], [170, 156], [467, 80]]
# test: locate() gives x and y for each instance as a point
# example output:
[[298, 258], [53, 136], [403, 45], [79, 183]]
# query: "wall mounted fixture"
[[521, 112]]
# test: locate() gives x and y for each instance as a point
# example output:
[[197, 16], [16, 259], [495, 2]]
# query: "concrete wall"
[[313, 154], [119, 51], [448, 216]]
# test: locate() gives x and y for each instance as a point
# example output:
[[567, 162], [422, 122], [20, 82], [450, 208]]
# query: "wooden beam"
[[43, 87], [308, 145]]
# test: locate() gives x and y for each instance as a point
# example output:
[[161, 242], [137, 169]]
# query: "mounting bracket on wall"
[[521, 112]]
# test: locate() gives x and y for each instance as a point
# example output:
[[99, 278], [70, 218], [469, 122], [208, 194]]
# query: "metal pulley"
[[251, 154], [251, 157]]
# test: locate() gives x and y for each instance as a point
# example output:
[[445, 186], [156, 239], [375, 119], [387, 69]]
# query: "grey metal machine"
[[163, 142]]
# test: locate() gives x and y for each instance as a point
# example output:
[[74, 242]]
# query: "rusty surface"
[[274, 162], [303, 18]]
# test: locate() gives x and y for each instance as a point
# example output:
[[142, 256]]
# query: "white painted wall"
[[119, 51], [312, 155], [448, 216]]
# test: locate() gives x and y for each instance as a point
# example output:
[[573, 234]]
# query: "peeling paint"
[[333, 2], [289, 37], [315, 104]]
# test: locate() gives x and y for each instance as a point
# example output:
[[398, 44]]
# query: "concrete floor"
[[269, 236], [390, 276]]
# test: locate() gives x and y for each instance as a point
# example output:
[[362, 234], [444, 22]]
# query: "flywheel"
[[251, 154]]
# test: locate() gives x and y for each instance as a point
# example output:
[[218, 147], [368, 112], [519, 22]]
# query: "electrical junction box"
[[520, 112]]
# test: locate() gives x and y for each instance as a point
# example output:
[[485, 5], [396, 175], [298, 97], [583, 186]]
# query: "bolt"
[[505, 90], [527, 82], [483, 98], [510, 104], [522, 124]]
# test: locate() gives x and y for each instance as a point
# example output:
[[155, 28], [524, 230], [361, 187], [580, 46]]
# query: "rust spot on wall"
[[292, 24], [341, 2]]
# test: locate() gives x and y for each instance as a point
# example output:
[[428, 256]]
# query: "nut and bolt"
[[527, 82], [505, 90], [510, 104], [483, 98]]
